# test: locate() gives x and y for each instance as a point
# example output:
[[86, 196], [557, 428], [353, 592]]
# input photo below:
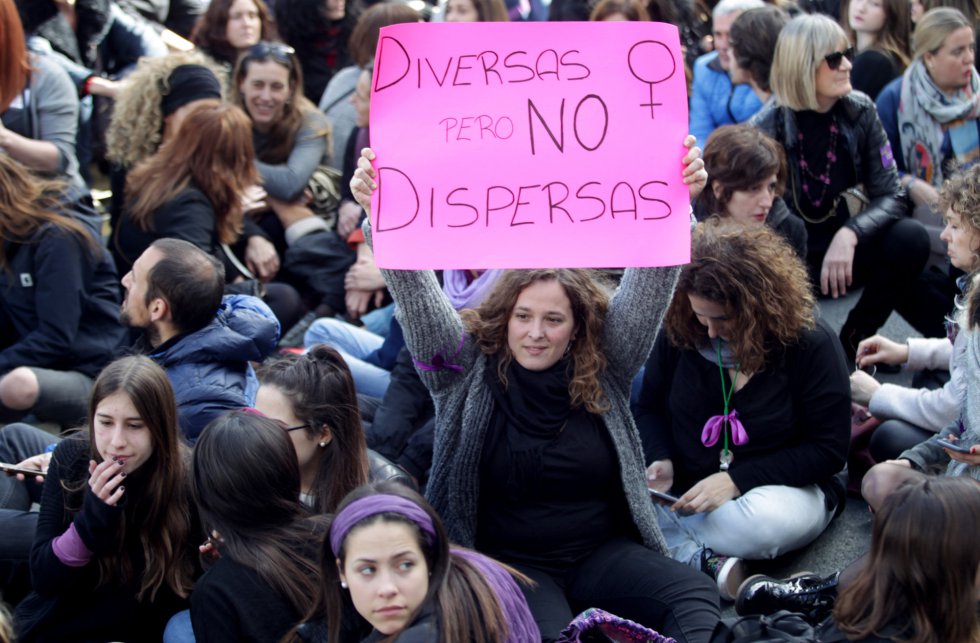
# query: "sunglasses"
[[834, 59], [276, 50]]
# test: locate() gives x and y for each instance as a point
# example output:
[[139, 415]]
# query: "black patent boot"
[[809, 594]]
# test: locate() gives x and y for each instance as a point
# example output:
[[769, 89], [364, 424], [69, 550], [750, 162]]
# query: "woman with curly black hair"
[[745, 406]]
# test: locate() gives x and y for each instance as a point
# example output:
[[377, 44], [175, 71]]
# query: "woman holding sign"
[[537, 460], [842, 179]]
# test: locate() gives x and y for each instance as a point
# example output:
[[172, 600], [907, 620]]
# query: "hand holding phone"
[[953, 446], [12, 469], [661, 497]]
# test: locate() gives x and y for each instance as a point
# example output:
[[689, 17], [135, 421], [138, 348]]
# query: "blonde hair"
[[136, 129], [800, 48], [934, 28]]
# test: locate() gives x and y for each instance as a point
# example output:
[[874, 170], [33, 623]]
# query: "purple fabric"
[[462, 292], [70, 549], [520, 622], [619, 630], [440, 362], [363, 140], [380, 503], [716, 424]]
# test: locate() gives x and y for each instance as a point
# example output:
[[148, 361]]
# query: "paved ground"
[[849, 535]]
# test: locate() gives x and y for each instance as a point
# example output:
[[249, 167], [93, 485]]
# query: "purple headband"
[[373, 505]]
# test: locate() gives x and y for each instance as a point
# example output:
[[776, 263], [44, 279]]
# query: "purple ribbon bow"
[[439, 362], [716, 423]]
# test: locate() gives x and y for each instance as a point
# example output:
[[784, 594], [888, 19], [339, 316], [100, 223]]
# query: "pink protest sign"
[[529, 145]]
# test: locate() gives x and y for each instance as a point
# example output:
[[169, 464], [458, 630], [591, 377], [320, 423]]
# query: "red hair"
[[213, 149], [14, 67]]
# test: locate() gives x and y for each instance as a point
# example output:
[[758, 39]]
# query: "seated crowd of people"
[[222, 421]]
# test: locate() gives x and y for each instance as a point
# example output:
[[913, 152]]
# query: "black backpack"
[[780, 626]]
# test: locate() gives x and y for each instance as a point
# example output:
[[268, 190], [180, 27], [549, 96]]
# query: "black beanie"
[[189, 83]]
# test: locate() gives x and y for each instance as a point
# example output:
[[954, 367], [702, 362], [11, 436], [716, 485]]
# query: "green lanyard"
[[727, 397]]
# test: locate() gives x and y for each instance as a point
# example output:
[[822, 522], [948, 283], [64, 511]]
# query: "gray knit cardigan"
[[464, 404]]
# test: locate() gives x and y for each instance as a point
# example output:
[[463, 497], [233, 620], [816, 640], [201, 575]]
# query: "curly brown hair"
[[758, 279], [739, 157], [961, 193], [589, 303], [136, 127]]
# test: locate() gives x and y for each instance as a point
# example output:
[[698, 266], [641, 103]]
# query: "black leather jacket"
[[382, 469], [869, 149]]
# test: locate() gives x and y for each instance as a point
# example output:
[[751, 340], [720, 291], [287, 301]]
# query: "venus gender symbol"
[[651, 62]]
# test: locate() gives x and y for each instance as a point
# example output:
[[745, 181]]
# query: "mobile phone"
[[13, 468], [953, 446], [660, 496]]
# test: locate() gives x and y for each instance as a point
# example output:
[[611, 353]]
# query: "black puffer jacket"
[[869, 150]]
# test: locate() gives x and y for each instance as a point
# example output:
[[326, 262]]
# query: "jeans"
[[179, 629], [626, 579], [764, 523], [353, 344], [378, 321]]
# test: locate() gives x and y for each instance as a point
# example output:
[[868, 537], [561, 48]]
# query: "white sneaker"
[[730, 576]]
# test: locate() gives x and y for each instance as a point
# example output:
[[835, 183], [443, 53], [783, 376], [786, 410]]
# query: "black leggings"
[[893, 437], [627, 579], [887, 266]]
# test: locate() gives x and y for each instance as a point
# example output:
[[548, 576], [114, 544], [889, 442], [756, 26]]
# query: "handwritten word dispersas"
[[529, 145]]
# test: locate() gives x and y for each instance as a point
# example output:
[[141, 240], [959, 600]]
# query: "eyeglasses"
[[290, 429], [834, 59], [277, 50]]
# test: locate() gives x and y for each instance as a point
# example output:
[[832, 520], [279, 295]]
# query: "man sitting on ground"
[[204, 341]]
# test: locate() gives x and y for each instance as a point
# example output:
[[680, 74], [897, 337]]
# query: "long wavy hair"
[[136, 128], [246, 485], [320, 388], [211, 29], [759, 281], [282, 134], [214, 152], [895, 37], [589, 303], [15, 66], [29, 203], [161, 515], [921, 573], [467, 606]]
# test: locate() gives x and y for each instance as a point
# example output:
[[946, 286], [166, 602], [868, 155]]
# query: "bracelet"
[[908, 186], [87, 86]]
